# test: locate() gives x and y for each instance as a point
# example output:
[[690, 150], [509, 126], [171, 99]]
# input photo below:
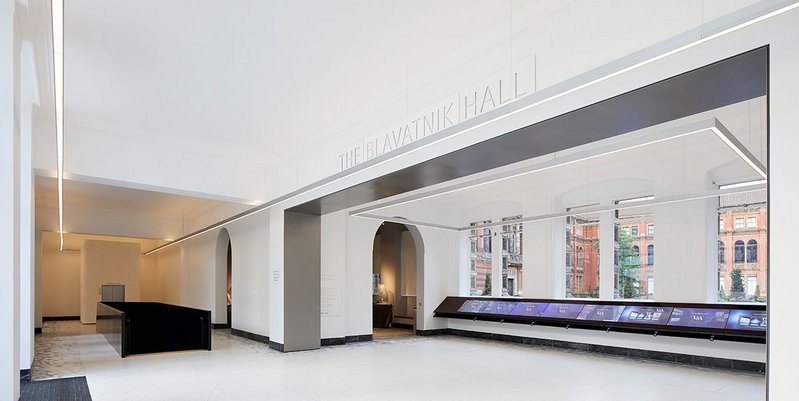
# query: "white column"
[[684, 251], [276, 273], [9, 208], [783, 218], [607, 282]]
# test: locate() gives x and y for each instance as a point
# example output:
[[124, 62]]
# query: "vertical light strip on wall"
[[57, 7]]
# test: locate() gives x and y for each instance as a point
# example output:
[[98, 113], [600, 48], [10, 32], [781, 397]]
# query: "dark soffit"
[[720, 84]]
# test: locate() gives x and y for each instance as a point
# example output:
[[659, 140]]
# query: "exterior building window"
[[751, 251], [650, 255], [626, 230], [721, 224], [742, 277], [582, 257], [633, 279], [739, 251], [480, 260], [512, 239]]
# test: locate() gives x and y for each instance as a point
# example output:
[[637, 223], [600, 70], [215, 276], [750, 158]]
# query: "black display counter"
[[147, 327], [732, 322]]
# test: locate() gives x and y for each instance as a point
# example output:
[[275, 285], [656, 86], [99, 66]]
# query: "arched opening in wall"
[[397, 270], [223, 297]]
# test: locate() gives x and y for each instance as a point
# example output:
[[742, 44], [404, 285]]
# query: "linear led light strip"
[[57, 15], [319, 185], [742, 188]]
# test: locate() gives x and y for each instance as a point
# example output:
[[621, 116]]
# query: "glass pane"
[[634, 277], [582, 257], [480, 260], [512, 258], [742, 268]]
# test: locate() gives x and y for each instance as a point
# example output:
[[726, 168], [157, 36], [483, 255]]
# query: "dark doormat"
[[68, 389]]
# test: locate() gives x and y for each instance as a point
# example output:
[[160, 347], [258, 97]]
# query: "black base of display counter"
[[148, 327], [730, 322]]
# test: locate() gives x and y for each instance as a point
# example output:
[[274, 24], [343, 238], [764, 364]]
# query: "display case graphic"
[[699, 317], [601, 313], [499, 307], [563, 311], [473, 306], [529, 309], [742, 319], [646, 314]]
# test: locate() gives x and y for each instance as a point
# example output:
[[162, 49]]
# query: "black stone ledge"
[[347, 339], [37, 330], [59, 318], [660, 356], [25, 375], [277, 346], [217, 326], [401, 326], [251, 336]]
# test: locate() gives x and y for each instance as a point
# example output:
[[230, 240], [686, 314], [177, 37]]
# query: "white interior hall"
[[319, 200]]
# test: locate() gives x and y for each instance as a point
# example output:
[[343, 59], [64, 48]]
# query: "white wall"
[[107, 262], [9, 204], [60, 291], [169, 275], [249, 240]]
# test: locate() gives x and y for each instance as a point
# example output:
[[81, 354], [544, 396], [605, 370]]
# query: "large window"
[[751, 251], [650, 255], [582, 257], [512, 258], [742, 278], [633, 279], [739, 251], [480, 264]]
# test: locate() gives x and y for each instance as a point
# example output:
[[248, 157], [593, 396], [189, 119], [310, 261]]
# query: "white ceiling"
[[78, 194], [253, 77]]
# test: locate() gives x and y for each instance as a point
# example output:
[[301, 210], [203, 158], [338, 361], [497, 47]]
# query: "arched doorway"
[[397, 268], [223, 296]]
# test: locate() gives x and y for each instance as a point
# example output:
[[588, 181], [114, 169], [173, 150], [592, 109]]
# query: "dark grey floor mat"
[[68, 389]]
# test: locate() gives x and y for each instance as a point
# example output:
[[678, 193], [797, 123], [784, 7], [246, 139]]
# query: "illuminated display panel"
[[499, 307], [646, 314], [473, 306], [698, 317], [601, 313], [563, 311], [742, 319], [529, 309]]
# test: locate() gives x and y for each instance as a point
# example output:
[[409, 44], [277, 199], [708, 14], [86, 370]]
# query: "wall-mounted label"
[[493, 91], [275, 275]]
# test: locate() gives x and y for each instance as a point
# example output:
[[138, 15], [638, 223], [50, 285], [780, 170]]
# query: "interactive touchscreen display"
[[646, 314], [696, 317], [529, 309], [563, 311], [499, 307], [601, 313], [473, 306], [742, 319]]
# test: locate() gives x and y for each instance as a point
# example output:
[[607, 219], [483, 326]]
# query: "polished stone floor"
[[398, 368]]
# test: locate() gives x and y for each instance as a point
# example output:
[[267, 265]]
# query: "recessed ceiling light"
[[742, 184]]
